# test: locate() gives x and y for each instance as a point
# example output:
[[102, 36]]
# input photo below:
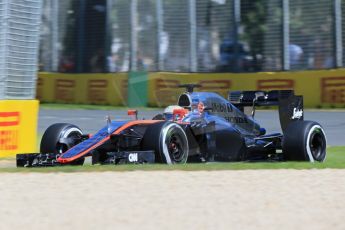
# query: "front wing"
[[50, 159]]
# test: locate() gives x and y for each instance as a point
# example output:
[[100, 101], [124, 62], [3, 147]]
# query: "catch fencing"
[[19, 38], [192, 35]]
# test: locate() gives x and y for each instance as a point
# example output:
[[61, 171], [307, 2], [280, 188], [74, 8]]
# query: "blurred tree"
[[253, 19], [68, 28]]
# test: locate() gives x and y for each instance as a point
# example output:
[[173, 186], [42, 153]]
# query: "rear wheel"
[[169, 141], [50, 142], [304, 141]]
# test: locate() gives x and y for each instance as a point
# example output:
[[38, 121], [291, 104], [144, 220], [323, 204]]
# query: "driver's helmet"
[[169, 111]]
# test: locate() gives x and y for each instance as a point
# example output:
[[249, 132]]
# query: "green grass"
[[335, 159]]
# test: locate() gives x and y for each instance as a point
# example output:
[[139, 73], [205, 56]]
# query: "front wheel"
[[304, 141], [50, 142], [168, 140]]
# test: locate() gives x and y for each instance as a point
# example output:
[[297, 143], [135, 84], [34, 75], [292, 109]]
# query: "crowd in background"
[[108, 36]]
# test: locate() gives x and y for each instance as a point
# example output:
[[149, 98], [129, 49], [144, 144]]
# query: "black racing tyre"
[[168, 140], [304, 141], [50, 139]]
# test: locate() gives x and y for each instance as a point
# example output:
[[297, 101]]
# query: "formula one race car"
[[202, 127]]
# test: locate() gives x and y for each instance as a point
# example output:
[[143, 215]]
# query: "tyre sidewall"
[[297, 138], [314, 127], [155, 138], [52, 135], [172, 127]]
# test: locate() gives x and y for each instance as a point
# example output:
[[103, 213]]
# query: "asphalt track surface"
[[90, 121]]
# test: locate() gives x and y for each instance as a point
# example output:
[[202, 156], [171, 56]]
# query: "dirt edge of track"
[[249, 199]]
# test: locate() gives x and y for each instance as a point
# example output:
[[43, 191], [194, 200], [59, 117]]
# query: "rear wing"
[[289, 105]]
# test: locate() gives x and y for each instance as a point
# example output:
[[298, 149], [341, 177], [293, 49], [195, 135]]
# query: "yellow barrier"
[[101, 89], [324, 88], [18, 126]]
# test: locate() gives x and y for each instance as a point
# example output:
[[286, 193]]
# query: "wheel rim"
[[317, 144], [176, 148], [174, 144], [61, 148]]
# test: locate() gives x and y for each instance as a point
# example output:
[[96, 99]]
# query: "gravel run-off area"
[[248, 199]]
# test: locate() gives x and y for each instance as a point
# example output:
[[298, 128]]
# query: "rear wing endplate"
[[289, 105]]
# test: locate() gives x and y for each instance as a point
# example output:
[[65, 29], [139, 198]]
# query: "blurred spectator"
[[112, 63], [329, 61], [234, 57], [322, 58], [141, 65], [67, 64], [295, 56], [97, 62], [204, 48]]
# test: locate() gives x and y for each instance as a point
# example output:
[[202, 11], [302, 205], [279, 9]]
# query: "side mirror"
[[133, 113], [259, 95]]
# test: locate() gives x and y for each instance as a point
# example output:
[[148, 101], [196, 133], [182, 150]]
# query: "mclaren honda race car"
[[202, 127]]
